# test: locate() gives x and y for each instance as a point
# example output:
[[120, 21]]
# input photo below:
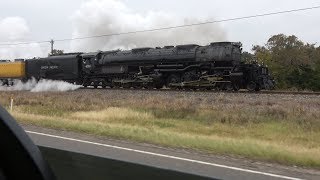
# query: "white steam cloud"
[[15, 30], [41, 86], [97, 17]]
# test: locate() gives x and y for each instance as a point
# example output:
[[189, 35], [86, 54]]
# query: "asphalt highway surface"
[[218, 167]]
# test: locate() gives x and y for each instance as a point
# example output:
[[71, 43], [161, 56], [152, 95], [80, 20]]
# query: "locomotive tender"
[[215, 66]]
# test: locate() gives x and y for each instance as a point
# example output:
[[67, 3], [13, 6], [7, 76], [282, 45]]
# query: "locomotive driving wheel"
[[252, 86], [158, 85], [190, 76], [173, 79], [236, 87]]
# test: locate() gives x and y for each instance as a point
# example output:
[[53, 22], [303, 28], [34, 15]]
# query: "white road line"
[[166, 156]]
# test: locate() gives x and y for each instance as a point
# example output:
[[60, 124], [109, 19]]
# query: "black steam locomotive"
[[215, 66]]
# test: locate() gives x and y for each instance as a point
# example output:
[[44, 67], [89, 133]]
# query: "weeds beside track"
[[282, 128]]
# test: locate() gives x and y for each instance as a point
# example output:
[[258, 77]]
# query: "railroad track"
[[212, 91]]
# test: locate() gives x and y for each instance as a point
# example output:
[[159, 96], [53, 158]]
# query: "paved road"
[[165, 158]]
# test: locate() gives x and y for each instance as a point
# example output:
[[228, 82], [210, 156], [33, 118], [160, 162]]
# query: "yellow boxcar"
[[12, 70]]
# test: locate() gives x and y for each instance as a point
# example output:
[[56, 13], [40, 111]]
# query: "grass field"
[[276, 128]]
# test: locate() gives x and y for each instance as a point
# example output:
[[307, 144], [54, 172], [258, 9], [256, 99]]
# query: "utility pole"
[[52, 42]]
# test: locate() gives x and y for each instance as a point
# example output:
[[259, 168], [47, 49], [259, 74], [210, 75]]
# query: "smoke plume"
[[40, 86], [96, 17]]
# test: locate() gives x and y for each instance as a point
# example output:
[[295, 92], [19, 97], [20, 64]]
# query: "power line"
[[175, 27], [24, 43]]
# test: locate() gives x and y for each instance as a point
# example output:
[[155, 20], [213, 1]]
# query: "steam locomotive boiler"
[[215, 66]]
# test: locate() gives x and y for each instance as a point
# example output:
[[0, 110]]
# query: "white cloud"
[[15, 30]]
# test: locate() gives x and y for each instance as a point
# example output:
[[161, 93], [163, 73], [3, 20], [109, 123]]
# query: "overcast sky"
[[37, 20]]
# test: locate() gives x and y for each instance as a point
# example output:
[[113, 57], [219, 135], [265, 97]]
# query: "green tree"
[[294, 64], [247, 57], [56, 52]]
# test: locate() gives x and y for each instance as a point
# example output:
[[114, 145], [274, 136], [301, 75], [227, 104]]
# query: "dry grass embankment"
[[275, 128]]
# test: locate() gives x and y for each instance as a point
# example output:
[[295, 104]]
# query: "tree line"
[[294, 64]]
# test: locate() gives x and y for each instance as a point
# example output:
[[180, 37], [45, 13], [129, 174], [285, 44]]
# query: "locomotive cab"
[[90, 61]]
